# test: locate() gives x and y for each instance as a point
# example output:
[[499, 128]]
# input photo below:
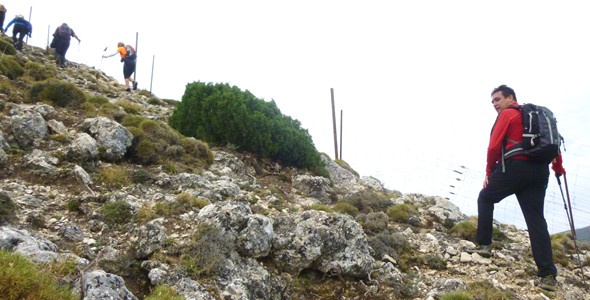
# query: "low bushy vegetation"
[[7, 47], [21, 279], [10, 67], [373, 222], [402, 213], [156, 142], [369, 201], [37, 71], [117, 212], [456, 295], [206, 254], [7, 207], [465, 230], [220, 114], [485, 290], [58, 92]]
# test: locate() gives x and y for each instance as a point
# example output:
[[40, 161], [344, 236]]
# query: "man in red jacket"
[[520, 176]]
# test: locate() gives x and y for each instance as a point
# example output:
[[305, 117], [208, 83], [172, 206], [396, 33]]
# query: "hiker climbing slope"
[[2, 17], [61, 42], [22, 27], [128, 58]]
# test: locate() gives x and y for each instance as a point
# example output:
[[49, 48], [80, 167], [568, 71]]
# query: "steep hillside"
[[97, 191]]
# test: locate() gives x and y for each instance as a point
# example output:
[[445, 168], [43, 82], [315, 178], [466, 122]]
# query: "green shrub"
[[183, 203], [141, 176], [465, 230], [345, 208], [401, 213], [7, 47], [393, 244], [456, 295], [74, 205], [7, 207], [164, 292], [59, 92], [117, 212], [374, 222], [10, 67], [205, 255], [369, 201], [21, 279], [220, 115], [155, 101], [562, 245]]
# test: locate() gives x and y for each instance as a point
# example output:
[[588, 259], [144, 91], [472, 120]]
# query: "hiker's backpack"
[[130, 52], [540, 139], [64, 32]]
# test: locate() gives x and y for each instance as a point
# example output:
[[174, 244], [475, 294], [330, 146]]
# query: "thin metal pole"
[[334, 123], [340, 134], [136, 48], [30, 13], [48, 32], [152, 78]]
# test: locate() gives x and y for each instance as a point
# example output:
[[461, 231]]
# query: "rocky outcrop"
[[110, 135]]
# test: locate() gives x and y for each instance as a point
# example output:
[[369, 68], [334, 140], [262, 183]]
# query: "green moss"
[[10, 67]]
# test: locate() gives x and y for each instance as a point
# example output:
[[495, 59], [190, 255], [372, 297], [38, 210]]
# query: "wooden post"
[[334, 123]]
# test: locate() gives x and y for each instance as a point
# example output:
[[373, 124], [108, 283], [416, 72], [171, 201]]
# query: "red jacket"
[[509, 125]]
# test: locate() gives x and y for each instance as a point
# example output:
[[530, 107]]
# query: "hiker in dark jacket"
[[2, 17], [22, 27], [61, 42]]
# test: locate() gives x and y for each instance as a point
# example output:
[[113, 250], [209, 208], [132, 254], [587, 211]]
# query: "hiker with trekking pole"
[[129, 59], [61, 43], [523, 141]]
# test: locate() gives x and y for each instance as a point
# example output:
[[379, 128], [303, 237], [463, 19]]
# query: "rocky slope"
[[236, 227]]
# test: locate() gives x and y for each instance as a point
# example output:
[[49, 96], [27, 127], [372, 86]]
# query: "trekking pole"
[[570, 218]]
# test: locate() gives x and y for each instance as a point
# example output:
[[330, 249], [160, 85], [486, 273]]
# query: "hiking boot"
[[548, 283], [128, 90], [135, 85], [482, 250]]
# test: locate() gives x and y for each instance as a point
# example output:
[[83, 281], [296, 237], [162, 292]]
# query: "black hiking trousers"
[[20, 30], [528, 181]]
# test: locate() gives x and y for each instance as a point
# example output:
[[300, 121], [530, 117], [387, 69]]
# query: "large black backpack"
[[540, 139]]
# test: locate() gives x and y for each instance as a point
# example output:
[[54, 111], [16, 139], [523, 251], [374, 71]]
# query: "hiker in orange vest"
[[128, 58]]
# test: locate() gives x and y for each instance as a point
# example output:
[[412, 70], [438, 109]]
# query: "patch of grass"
[[401, 213], [21, 279], [129, 107], [141, 176], [164, 292], [97, 101], [155, 101], [62, 138], [486, 291], [562, 246], [456, 295], [320, 207], [7, 47], [58, 92], [7, 207], [114, 176], [346, 166], [392, 244], [117, 212], [183, 203]]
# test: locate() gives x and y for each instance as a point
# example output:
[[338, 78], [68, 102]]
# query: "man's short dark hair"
[[506, 91]]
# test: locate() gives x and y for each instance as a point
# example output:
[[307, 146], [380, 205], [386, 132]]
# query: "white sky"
[[412, 78]]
